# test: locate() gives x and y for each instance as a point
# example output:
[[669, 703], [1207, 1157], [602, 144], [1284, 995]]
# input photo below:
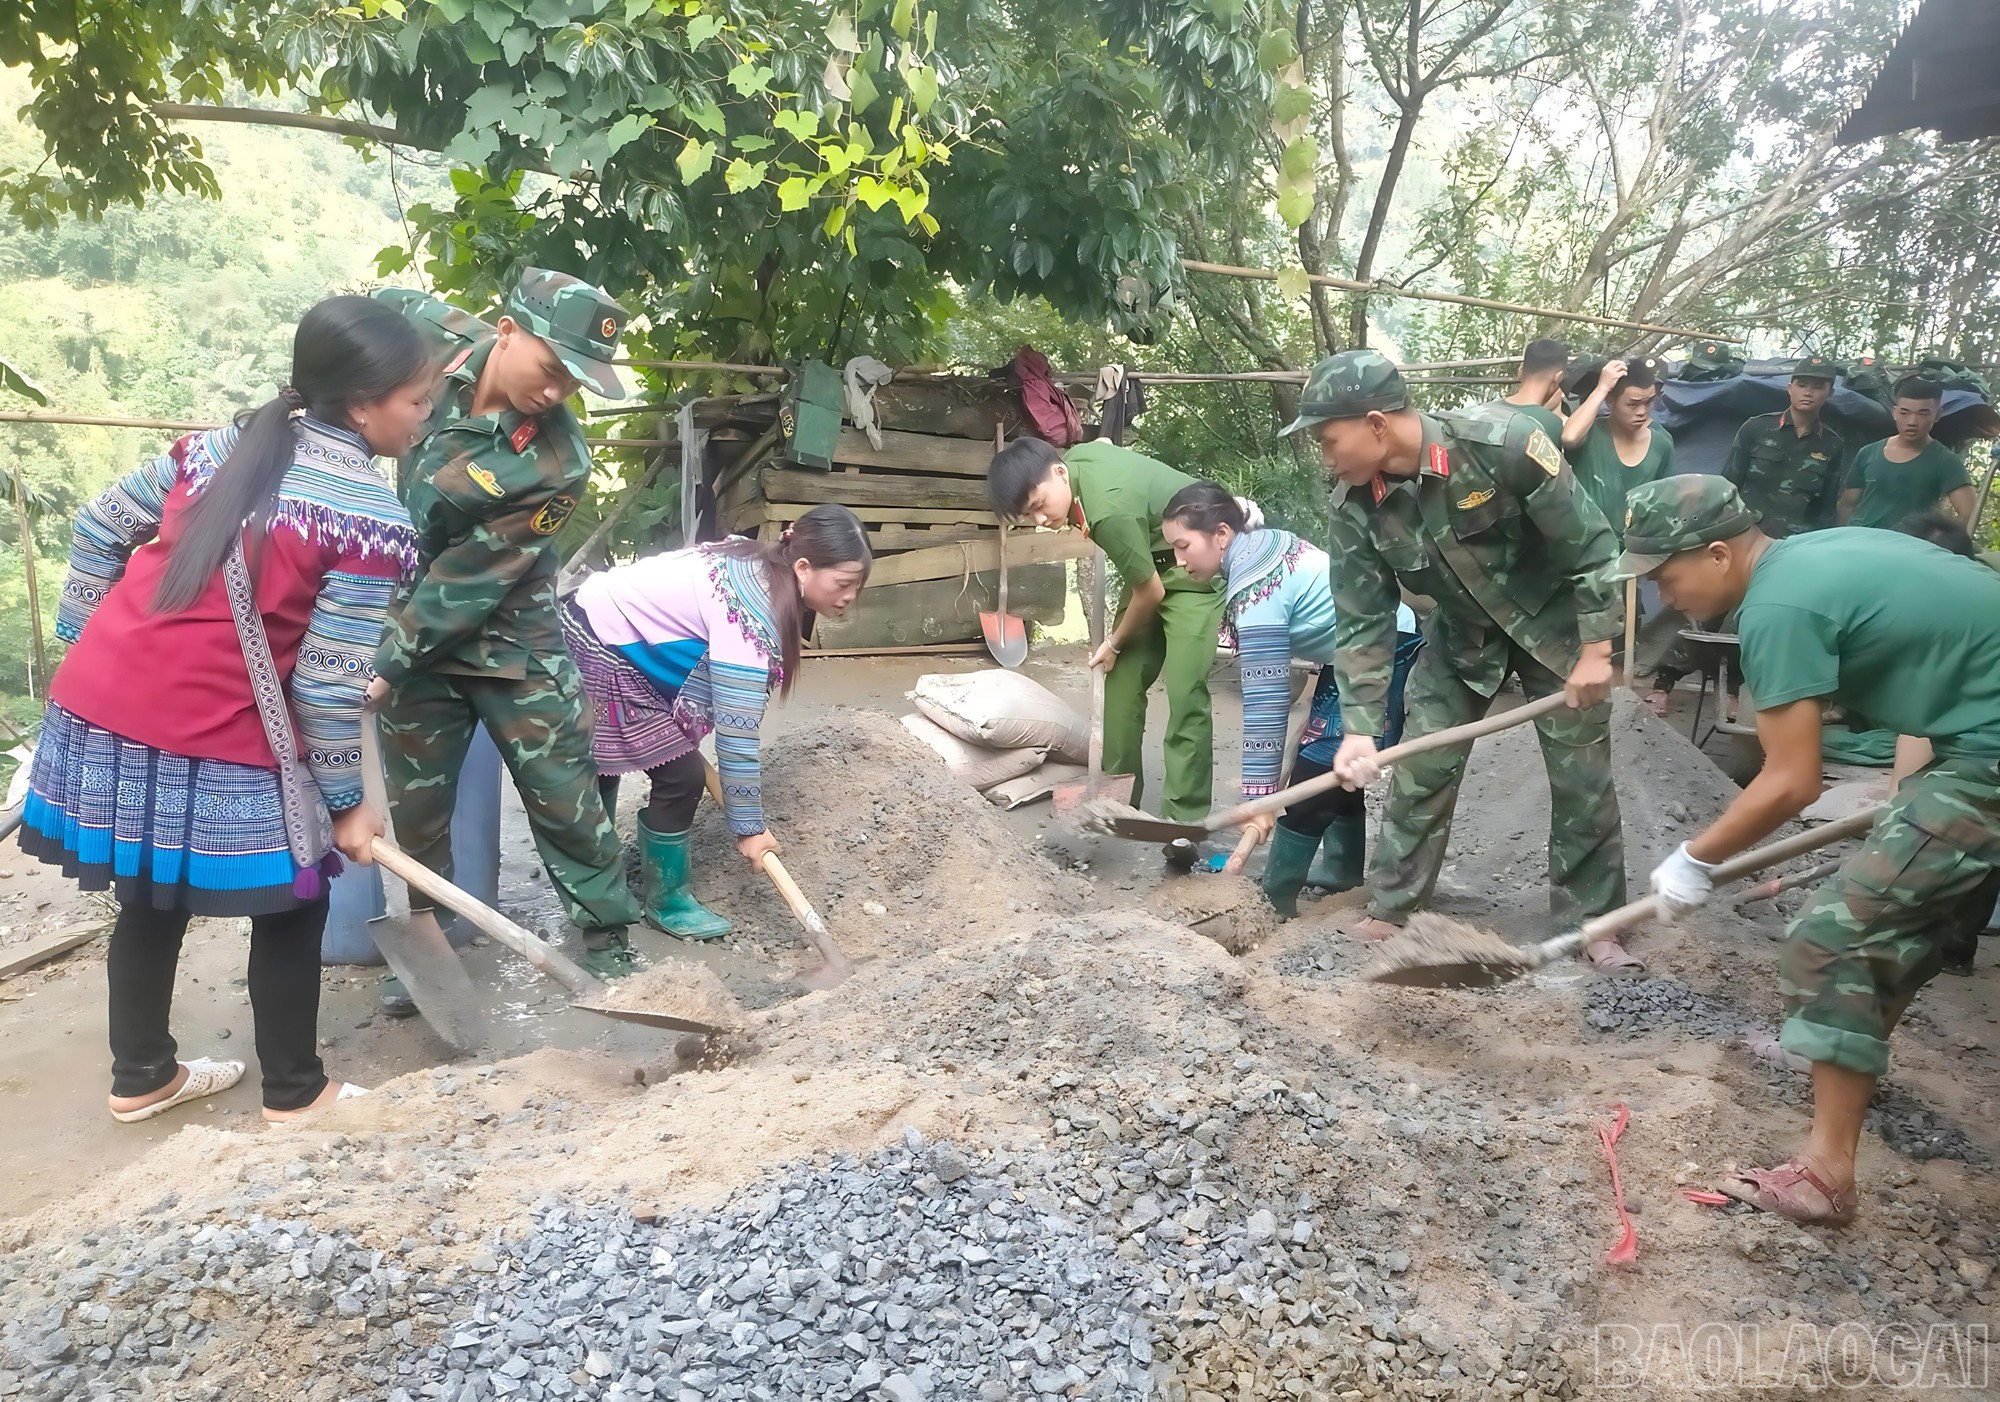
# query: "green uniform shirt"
[[1121, 496], [1882, 624], [1547, 420], [1791, 481], [1495, 530], [1892, 492], [487, 494], [1601, 472]]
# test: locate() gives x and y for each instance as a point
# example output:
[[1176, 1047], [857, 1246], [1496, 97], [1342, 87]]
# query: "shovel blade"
[[651, 1019], [1076, 802], [1006, 637], [436, 981], [1143, 827], [1464, 974]]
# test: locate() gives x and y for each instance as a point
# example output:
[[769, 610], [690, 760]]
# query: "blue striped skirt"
[[200, 835]]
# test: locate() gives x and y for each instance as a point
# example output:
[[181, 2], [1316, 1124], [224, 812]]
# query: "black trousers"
[[677, 788], [144, 955], [1313, 816]]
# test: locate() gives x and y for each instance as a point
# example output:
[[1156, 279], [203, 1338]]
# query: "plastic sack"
[[1003, 710]]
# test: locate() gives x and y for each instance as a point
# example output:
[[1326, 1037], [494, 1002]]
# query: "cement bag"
[[973, 765], [1003, 710]]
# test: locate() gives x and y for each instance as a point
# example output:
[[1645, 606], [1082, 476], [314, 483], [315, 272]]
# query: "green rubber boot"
[[670, 906], [1343, 862], [609, 955], [1285, 868]]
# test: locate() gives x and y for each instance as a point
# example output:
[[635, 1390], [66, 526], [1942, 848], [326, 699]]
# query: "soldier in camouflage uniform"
[[1479, 512], [475, 636], [1893, 628], [1788, 467]]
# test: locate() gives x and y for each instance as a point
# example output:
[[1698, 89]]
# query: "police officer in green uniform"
[[1788, 467], [1893, 628], [1166, 623], [475, 636], [1479, 512]]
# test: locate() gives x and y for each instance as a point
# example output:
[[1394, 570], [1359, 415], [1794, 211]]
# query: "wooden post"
[[41, 668]]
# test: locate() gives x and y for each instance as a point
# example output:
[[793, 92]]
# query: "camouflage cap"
[[1816, 367], [1346, 386], [578, 321], [1673, 514]]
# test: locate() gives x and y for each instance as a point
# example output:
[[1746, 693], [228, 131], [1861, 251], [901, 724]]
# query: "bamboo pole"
[[1459, 299], [33, 416], [34, 594], [729, 367]]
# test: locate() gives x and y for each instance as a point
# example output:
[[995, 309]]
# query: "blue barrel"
[[357, 896]]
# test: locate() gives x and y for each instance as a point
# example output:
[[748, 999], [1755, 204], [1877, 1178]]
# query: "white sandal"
[[205, 1076], [348, 1091]]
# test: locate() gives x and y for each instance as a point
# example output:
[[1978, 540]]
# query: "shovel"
[[1006, 636], [838, 965], [543, 957], [1434, 952], [1141, 827], [423, 959], [1072, 799]]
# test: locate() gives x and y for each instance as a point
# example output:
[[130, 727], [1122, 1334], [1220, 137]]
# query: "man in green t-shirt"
[[1895, 629], [1908, 472], [1166, 621], [1621, 450], [1539, 391]]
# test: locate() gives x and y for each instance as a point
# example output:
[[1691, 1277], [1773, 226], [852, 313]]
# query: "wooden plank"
[[899, 515], [952, 561], [62, 942], [890, 538], [915, 452], [943, 610], [927, 649], [781, 484]]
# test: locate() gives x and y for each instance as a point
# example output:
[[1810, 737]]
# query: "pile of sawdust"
[[897, 855], [678, 988]]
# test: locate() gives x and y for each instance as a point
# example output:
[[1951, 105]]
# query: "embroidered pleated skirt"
[[635, 724], [161, 829]]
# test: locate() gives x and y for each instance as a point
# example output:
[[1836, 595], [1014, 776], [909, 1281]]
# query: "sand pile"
[[895, 853], [679, 988]]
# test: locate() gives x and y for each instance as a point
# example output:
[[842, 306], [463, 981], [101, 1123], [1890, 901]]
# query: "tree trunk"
[[1378, 218]]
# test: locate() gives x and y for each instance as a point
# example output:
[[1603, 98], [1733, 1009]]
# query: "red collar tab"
[[459, 360], [1380, 486], [525, 434], [1076, 517], [1440, 463]]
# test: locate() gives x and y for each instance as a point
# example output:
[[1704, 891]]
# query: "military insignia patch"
[[1380, 487], [459, 360], [1818, 457], [1543, 453], [1440, 464], [1477, 499], [488, 483], [608, 329], [525, 434], [550, 518]]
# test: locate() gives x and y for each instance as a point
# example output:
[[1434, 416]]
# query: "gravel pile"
[[911, 1274], [1638, 1007]]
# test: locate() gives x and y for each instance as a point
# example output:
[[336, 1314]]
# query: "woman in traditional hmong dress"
[[694, 640], [1279, 605], [153, 776]]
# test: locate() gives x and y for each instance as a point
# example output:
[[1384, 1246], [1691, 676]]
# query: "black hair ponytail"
[[1208, 507], [827, 535], [347, 350]]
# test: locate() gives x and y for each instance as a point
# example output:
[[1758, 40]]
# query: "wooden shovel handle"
[[1628, 917], [546, 959], [802, 909], [1423, 744]]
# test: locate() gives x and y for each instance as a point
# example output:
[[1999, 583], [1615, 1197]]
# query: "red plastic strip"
[[1705, 1198], [1627, 1249]]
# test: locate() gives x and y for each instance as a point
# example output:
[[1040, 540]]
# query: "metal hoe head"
[[651, 1019], [1123, 820]]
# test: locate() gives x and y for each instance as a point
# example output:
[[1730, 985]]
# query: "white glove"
[[1681, 883]]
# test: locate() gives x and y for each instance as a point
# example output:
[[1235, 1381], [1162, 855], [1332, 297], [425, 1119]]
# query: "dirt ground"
[[1451, 1138]]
